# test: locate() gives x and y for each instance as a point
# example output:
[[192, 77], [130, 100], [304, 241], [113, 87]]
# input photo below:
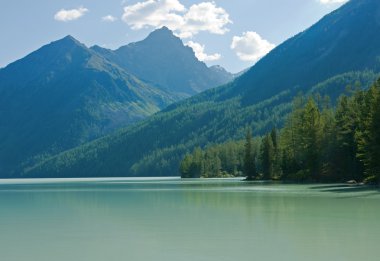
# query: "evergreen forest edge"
[[319, 143]]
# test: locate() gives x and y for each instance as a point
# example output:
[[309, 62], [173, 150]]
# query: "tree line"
[[318, 143]]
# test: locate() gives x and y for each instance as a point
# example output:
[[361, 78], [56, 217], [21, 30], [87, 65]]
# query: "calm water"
[[159, 220]]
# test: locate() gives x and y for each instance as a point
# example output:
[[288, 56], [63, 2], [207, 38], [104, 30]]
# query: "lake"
[[197, 220]]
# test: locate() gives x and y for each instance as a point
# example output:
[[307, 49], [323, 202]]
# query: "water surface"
[[170, 219]]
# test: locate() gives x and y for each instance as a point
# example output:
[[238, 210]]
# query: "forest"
[[318, 143], [156, 146]]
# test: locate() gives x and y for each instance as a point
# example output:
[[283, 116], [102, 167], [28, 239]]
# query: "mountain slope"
[[341, 49], [162, 59], [343, 41], [63, 95]]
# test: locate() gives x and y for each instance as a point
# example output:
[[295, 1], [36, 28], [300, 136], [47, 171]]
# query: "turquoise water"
[[170, 219]]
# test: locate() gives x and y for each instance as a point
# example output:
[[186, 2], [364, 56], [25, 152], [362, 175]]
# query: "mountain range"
[[162, 59], [66, 94], [342, 49]]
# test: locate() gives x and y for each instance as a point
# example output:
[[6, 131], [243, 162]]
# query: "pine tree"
[[291, 137], [375, 137], [267, 157], [211, 163], [249, 158], [185, 166], [369, 137], [196, 167], [348, 167], [364, 133], [311, 130], [277, 172]]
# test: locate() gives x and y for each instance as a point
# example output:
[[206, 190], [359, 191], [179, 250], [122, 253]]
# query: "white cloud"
[[109, 18], [199, 51], [154, 13], [205, 16], [69, 15], [251, 46], [326, 2]]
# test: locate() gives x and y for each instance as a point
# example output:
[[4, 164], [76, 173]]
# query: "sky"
[[232, 33]]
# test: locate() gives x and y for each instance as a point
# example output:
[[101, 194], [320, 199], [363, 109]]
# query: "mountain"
[[342, 48], [222, 74], [65, 94], [343, 41], [164, 60]]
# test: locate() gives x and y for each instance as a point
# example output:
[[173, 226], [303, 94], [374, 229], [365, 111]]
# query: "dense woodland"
[[156, 146], [319, 142]]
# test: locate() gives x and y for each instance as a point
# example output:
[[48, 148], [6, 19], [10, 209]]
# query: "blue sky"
[[232, 33]]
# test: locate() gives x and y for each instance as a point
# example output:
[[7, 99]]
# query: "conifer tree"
[[348, 167], [369, 137], [277, 172], [249, 158], [185, 166], [311, 132], [267, 157], [375, 136]]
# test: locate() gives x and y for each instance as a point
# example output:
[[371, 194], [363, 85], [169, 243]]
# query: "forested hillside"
[[341, 49], [157, 145], [63, 95], [318, 143]]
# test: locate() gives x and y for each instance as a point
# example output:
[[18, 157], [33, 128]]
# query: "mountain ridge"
[[162, 58], [259, 99], [65, 94], [312, 57]]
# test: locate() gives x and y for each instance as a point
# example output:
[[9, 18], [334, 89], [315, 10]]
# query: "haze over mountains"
[[161, 59], [65, 94]]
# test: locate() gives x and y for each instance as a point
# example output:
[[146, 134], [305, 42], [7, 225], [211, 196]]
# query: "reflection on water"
[[170, 219]]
